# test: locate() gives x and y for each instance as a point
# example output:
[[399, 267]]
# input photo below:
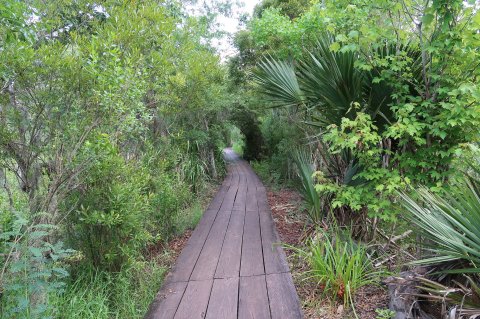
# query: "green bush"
[[265, 171], [281, 137], [112, 208], [338, 265], [169, 196]]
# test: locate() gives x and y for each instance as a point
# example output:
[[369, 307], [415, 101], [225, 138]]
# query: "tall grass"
[[189, 218], [103, 295], [338, 265]]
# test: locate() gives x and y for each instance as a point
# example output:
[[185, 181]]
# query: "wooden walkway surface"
[[232, 265]]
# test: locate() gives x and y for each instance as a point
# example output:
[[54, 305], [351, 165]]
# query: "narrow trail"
[[232, 265]]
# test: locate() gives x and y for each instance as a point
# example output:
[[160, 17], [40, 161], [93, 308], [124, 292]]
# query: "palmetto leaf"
[[277, 80], [307, 185], [451, 223], [327, 84], [330, 81]]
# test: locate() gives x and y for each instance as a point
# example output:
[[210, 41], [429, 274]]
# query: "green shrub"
[[112, 208], [281, 137], [169, 196], [32, 268], [266, 173], [338, 265]]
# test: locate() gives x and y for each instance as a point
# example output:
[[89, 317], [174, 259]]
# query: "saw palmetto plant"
[[326, 84], [450, 225]]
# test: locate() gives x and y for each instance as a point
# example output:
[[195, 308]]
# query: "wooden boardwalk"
[[232, 265]]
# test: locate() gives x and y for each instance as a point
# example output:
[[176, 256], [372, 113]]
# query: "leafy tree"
[[291, 8]]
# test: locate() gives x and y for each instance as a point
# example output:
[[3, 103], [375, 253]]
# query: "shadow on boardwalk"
[[232, 265]]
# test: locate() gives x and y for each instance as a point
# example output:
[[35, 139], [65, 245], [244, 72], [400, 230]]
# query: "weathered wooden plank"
[[229, 262], [273, 254], [263, 204], [195, 300], [223, 189], [283, 298], [251, 198], [253, 298], [216, 203], [210, 254], [223, 299], [253, 178], [229, 198], [252, 257], [261, 191], [241, 198], [230, 183], [167, 300], [186, 261]]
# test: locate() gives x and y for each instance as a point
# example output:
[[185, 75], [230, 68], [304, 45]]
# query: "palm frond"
[[451, 223], [330, 80], [307, 185], [278, 82]]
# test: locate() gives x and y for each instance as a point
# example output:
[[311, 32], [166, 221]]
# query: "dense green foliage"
[[401, 111], [112, 121], [114, 114], [386, 98]]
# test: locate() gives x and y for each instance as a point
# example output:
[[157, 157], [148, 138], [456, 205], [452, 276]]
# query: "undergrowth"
[[338, 265], [98, 295]]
